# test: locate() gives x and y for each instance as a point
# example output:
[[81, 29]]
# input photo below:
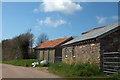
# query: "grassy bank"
[[75, 70], [26, 62], [79, 70]]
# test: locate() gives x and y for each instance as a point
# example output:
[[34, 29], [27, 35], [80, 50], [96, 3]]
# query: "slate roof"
[[53, 43], [94, 33]]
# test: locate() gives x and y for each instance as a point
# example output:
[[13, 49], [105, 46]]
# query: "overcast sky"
[[57, 19]]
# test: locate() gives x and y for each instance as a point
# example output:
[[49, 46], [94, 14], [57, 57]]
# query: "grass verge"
[[24, 62], [78, 71]]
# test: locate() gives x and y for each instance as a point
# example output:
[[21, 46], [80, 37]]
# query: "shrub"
[[86, 69]]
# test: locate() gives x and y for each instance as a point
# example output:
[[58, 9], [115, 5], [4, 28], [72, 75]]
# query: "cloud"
[[49, 22], [62, 6], [101, 20], [36, 10]]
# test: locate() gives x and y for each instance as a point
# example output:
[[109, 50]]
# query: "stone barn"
[[51, 50], [99, 45]]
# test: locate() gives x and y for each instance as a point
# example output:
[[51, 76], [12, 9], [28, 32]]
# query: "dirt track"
[[9, 71]]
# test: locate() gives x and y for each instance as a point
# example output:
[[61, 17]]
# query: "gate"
[[111, 62], [58, 59]]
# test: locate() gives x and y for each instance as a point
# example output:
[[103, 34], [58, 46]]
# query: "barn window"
[[48, 55], [73, 52], [66, 52], [43, 54]]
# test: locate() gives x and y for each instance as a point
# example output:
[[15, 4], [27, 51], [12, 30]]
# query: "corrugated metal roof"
[[94, 33]]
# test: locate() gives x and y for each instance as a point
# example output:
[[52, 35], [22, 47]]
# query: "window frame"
[[73, 52], [66, 52]]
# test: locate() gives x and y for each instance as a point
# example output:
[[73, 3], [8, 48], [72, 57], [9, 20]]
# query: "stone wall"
[[86, 53]]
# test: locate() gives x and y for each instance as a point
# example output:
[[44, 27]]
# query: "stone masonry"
[[87, 53]]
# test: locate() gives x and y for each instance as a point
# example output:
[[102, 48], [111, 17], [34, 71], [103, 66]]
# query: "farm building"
[[51, 50], [99, 45]]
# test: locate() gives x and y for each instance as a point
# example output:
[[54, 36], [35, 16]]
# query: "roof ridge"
[[93, 29]]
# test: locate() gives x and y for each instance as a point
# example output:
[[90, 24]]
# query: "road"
[[10, 71]]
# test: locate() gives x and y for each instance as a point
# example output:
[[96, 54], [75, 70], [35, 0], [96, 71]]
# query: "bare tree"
[[42, 38]]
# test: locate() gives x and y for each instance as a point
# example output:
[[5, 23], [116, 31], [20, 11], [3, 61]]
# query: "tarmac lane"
[[10, 71]]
